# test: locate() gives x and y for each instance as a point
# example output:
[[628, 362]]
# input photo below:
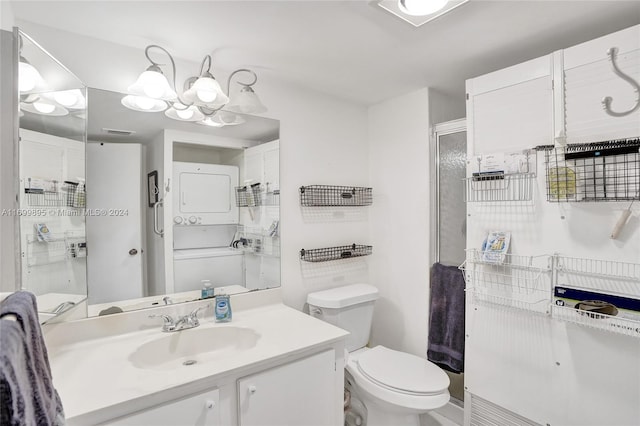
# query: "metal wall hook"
[[606, 102]]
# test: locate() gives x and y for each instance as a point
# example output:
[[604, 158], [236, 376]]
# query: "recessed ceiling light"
[[419, 12]]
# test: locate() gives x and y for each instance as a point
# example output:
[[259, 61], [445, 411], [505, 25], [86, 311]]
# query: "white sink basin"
[[194, 346]]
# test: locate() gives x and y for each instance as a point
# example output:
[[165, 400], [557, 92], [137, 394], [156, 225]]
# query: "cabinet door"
[[589, 77], [197, 410], [511, 109], [299, 393]]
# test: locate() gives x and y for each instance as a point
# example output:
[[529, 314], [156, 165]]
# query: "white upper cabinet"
[[589, 77], [558, 96], [512, 107]]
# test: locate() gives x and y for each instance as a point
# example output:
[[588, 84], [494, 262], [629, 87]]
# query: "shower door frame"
[[438, 130]]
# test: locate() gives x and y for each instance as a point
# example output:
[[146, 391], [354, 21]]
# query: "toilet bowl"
[[395, 387]]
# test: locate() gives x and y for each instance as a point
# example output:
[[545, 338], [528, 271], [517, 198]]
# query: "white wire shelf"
[[256, 241], [507, 187], [614, 324], [608, 281], [517, 282]]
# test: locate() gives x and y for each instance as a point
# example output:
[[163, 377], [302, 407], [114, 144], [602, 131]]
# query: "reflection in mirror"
[[51, 151], [177, 209]]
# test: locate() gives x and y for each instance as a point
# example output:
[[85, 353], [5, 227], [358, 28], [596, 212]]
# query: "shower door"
[[450, 209], [449, 226]]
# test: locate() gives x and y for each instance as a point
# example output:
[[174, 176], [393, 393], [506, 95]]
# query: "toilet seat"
[[402, 372]]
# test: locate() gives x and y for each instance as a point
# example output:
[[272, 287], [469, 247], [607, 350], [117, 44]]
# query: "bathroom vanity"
[[270, 365]]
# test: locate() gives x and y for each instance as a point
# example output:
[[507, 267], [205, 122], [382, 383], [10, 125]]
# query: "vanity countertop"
[[97, 374]]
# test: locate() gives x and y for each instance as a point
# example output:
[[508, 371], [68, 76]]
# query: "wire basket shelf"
[[518, 282], [614, 324], [256, 241], [335, 253], [335, 196], [605, 281], [491, 188], [603, 171]]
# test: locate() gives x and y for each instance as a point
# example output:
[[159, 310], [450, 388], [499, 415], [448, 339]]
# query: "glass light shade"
[[153, 84], [247, 102], [28, 77], [209, 122], [72, 99], [421, 7], [223, 118], [143, 103], [206, 92], [44, 107], [183, 113]]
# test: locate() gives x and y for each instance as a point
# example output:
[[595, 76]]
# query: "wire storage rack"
[[513, 282], [335, 196], [599, 294], [603, 171], [335, 253], [256, 241], [248, 196], [499, 187]]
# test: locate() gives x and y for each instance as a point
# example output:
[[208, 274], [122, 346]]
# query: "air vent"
[[118, 132]]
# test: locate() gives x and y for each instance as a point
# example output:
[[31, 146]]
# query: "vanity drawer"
[[202, 409]]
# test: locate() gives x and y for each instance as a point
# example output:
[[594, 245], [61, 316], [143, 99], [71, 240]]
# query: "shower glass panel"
[[452, 154]]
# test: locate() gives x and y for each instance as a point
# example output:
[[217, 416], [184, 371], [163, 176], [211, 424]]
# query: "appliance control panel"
[[187, 220]]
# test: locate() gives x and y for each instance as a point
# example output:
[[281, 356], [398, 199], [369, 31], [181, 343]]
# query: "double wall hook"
[[606, 102]]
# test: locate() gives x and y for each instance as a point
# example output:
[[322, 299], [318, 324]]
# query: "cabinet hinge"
[[467, 96]]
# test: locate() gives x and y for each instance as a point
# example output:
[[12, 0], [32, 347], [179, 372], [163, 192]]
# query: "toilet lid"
[[402, 371]]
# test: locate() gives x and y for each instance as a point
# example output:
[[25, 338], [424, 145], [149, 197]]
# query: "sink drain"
[[189, 362]]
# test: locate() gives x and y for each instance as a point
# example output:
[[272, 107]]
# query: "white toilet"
[[395, 387]]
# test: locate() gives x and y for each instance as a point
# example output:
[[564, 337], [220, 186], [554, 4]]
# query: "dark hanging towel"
[[27, 395], [446, 318]]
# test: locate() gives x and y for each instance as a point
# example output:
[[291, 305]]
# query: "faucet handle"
[[168, 320], [194, 313]]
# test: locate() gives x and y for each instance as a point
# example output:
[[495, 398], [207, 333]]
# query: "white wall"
[[399, 168], [6, 16]]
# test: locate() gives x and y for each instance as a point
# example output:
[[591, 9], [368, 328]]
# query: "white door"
[[114, 235]]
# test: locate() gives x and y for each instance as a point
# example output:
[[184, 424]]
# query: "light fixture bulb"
[[421, 7], [184, 114], [143, 102], [28, 76], [153, 84], [44, 108], [181, 112], [206, 92], [209, 122]]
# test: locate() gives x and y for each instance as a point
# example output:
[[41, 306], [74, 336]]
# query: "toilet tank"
[[349, 307]]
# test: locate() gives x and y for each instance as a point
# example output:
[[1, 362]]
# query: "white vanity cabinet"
[[202, 409], [511, 107], [298, 393], [588, 77]]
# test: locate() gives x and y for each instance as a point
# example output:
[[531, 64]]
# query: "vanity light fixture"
[[202, 98], [44, 107]]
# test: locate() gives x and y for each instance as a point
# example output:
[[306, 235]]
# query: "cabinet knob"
[[210, 403], [252, 389]]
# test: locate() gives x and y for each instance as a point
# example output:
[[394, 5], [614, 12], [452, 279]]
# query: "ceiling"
[[353, 50]]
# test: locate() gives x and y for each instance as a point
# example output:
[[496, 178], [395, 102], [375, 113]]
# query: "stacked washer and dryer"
[[205, 221]]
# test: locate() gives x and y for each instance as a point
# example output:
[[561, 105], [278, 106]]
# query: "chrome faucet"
[[181, 323]]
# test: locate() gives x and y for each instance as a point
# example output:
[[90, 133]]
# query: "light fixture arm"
[[173, 66], [210, 111]]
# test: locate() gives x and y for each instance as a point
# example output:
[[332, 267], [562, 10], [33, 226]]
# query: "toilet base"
[[378, 416]]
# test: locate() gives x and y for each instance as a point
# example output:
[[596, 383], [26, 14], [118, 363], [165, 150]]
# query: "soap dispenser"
[[207, 289]]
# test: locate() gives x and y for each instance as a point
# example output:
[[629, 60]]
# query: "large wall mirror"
[[51, 152], [170, 207]]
